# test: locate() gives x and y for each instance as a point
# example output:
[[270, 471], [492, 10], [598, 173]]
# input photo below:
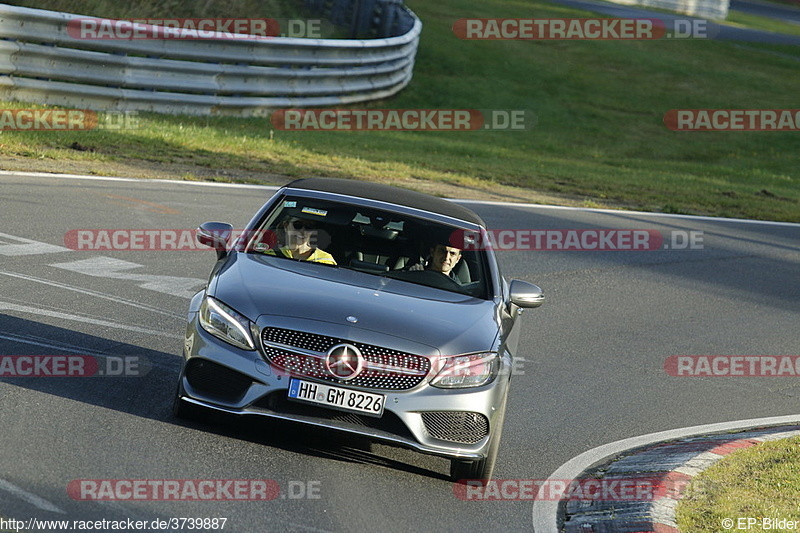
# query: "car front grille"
[[384, 368], [456, 426], [216, 380]]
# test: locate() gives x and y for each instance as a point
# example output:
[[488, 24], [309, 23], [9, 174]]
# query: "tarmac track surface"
[[590, 369]]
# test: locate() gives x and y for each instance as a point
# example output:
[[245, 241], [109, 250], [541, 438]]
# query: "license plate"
[[337, 397]]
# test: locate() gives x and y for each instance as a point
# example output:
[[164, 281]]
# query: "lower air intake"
[[456, 426], [217, 380]]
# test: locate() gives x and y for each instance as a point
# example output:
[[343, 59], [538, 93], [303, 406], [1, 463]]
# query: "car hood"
[[446, 323]]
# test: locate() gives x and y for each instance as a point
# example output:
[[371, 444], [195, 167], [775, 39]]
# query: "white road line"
[[104, 267], [29, 497], [8, 306], [22, 246], [626, 212], [139, 180], [45, 343], [459, 200], [90, 292], [61, 347], [111, 268], [545, 513]]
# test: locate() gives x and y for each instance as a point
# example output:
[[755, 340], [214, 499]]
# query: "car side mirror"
[[526, 295], [215, 235]]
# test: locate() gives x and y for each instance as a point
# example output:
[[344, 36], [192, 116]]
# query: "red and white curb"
[[672, 465], [675, 455]]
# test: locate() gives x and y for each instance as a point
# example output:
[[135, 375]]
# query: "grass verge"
[[599, 139], [761, 482], [745, 20]]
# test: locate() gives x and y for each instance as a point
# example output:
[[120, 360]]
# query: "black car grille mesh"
[[400, 370], [456, 426], [389, 422]]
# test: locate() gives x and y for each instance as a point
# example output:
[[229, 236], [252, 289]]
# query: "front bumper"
[[243, 383]]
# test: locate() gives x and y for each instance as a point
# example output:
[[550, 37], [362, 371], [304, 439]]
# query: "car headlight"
[[225, 323], [463, 371]]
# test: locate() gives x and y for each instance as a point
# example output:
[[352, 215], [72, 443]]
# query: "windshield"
[[372, 241]]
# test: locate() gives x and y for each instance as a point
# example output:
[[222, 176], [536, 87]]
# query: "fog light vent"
[[456, 426]]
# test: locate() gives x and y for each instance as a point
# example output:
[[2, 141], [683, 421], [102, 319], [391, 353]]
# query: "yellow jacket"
[[317, 256]]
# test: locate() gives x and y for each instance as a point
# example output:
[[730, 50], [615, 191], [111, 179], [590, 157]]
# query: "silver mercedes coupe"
[[360, 308]]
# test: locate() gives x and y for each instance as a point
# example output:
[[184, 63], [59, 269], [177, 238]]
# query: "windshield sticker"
[[287, 203], [314, 211]]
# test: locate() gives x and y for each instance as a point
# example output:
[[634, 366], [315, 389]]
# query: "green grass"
[[746, 20], [599, 136], [758, 482]]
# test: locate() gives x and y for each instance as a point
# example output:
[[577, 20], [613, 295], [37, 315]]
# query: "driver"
[[443, 259]]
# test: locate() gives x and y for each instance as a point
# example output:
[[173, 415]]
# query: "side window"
[[297, 229]]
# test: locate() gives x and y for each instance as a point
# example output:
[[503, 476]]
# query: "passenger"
[[298, 233]]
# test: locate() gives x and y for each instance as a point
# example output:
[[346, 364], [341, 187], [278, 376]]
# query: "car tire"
[[484, 468]]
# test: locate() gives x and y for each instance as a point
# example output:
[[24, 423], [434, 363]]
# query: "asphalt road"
[[767, 9], [711, 30], [592, 370]]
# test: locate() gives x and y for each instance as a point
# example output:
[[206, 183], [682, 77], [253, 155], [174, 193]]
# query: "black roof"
[[388, 194]]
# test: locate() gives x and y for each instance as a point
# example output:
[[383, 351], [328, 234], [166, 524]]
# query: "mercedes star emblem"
[[344, 361]]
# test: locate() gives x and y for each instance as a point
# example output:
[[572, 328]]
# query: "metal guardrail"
[[41, 62]]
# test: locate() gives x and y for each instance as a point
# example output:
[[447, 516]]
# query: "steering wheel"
[[435, 279]]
